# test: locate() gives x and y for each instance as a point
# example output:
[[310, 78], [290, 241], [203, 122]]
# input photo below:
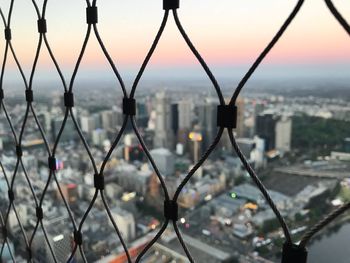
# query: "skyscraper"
[[284, 134], [265, 128], [126, 223], [164, 136], [164, 160], [275, 130], [185, 114], [240, 117], [207, 121]]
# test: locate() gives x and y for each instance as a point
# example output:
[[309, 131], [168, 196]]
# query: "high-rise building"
[[126, 223], [142, 114], [207, 112], [185, 114], [107, 120], [132, 148], [69, 133], [240, 117], [98, 137], [132, 179], [265, 129], [185, 118], [88, 124], [283, 134], [275, 130], [44, 118], [60, 239], [175, 117], [164, 160], [164, 136], [254, 149]]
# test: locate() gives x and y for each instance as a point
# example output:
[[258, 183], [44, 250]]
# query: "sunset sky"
[[228, 33]]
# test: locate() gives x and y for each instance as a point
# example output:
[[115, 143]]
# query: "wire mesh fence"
[[226, 121]]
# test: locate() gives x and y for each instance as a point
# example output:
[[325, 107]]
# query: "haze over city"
[[228, 34], [292, 129]]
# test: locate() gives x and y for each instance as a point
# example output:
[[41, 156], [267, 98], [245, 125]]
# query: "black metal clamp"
[[171, 210], [69, 99], [91, 15], [42, 26], [19, 151], [11, 195], [4, 232], [99, 182], [78, 238], [52, 163], [171, 4], [129, 106], [39, 213], [293, 253], [8, 34], [29, 95], [227, 116]]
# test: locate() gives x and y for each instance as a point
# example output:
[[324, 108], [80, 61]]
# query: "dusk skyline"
[[229, 36]]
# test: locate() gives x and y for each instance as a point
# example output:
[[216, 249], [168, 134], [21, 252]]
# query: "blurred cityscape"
[[299, 145]]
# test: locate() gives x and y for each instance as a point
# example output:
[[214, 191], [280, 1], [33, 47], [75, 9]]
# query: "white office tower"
[[283, 132], [207, 115], [240, 117], [111, 119], [98, 137], [126, 223], [88, 124], [164, 137], [258, 154], [107, 119], [185, 114], [164, 160]]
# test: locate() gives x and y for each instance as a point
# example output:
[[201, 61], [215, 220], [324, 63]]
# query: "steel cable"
[[209, 150], [267, 50], [344, 208], [239, 88], [1, 216], [333, 215], [338, 16], [18, 142], [323, 223], [46, 143], [99, 170], [86, 146]]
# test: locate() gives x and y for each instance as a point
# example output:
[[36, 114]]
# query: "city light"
[[195, 136], [251, 206], [58, 238], [208, 197], [128, 196], [233, 195]]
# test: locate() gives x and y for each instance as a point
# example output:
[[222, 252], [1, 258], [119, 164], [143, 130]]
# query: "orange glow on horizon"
[[227, 37]]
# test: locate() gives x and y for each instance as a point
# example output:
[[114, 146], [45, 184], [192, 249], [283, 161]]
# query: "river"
[[333, 246]]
